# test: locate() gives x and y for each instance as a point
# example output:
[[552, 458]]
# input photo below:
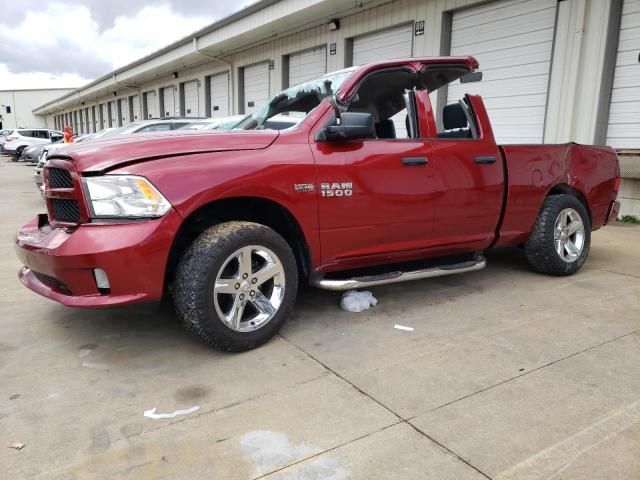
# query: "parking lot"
[[507, 374]]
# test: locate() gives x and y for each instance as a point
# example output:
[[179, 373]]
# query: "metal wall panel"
[[219, 92], [513, 41], [624, 114], [256, 86], [191, 99], [307, 65], [396, 42]]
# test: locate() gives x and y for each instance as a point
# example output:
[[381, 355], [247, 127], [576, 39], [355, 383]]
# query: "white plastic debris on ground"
[[402, 327], [354, 301], [152, 413]]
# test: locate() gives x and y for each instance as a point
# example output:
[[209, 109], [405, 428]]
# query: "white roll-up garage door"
[[191, 100], [307, 65], [624, 114], [104, 122], [151, 104], [396, 42], [513, 41], [113, 114], [124, 111], [219, 91], [256, 86], [135, 106], [168, 102]]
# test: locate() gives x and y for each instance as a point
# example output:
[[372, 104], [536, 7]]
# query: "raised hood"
[[108, 153]]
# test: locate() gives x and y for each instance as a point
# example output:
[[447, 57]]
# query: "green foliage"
[[630, 219]]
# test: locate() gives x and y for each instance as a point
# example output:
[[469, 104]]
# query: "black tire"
[[196, 276], [16, 156], [540, 248]]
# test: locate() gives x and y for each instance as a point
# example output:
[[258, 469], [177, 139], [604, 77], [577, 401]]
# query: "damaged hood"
[[110, 152]]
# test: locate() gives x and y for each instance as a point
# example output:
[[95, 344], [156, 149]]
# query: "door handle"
[[485, 160], [414, 161]]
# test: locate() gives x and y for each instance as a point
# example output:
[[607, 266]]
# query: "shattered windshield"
[[296, 101]]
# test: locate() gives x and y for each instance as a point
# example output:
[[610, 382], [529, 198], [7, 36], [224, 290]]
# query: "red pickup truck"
[[372, 186]]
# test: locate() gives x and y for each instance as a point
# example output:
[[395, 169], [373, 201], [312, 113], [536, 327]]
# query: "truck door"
[[376, 195], [467, 175]]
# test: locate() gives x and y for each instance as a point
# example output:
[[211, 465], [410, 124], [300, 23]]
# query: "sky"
[[68, 43]]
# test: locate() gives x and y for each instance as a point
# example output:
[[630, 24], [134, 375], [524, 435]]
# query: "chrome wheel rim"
[[569, 235], [249, 288]]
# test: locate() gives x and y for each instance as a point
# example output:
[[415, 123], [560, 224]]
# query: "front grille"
[[59, 178], [65, 210]]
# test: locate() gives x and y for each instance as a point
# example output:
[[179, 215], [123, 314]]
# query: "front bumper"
[[59, 263]]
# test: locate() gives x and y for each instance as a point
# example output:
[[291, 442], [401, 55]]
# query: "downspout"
[[224, 62]]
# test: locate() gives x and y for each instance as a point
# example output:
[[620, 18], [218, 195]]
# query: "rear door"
[[467, 174]]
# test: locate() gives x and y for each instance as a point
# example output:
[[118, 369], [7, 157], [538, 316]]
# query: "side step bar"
[[397, 276]]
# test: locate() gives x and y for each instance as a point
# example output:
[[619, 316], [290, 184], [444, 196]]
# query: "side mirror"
[[352, 125], [471, 77]]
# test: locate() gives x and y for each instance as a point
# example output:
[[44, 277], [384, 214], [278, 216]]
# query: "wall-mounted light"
[[175, 74], [115, 94], [334, 25]]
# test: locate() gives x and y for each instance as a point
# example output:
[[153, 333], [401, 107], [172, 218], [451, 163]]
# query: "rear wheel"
[[561, 237], [235, 285]]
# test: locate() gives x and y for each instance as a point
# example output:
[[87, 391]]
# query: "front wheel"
[[235, 285], [561, 237]]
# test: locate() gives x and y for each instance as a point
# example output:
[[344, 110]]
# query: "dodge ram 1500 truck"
[[372, 186]]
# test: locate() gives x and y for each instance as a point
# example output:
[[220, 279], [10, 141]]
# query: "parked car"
[[143, 126], [366, 190], [21, 138], [214, 123]]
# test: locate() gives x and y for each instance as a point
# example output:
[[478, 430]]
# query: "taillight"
[[616, 183]]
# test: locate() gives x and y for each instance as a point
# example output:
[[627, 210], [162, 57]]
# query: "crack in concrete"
[[408, 420], [315, 455], [398, 416], [526, 373]]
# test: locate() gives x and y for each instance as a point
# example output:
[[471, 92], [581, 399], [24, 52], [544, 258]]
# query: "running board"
[[397, 276]]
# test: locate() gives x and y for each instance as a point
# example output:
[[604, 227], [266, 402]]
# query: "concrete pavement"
[[507, 375]]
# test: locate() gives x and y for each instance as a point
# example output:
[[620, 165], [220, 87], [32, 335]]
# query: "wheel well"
[[258, 210], [565, 189]]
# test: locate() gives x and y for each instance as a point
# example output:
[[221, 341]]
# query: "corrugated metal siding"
[[219, 91], [307, 65], [513, 41], [391, 43], [151, 104], [624, 114], [256, 86], [191, 101]]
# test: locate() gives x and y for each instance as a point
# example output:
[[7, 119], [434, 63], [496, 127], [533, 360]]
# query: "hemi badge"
[[304, 187]]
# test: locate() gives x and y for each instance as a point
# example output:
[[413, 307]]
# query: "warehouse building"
[[16, 106], [554, 70]]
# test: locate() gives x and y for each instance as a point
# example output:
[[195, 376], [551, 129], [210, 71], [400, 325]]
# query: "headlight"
[[124, 196]]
